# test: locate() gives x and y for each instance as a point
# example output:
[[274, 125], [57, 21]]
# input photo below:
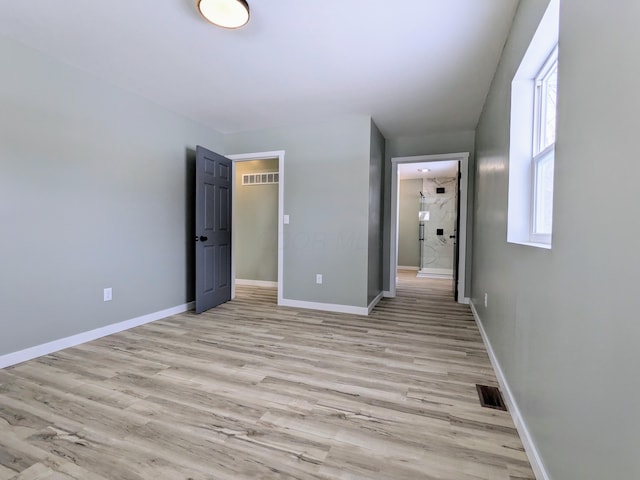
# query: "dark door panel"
[[213, 229]]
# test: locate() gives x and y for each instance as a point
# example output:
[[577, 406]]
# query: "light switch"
[[286, 219]]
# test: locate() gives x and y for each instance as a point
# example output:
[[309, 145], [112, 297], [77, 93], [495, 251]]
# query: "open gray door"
[[213, 229]]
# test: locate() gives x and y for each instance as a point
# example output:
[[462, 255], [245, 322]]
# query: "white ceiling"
[[416, 66], [446, 168]]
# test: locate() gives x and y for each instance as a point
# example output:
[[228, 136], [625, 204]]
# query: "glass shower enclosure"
[[437, 227]]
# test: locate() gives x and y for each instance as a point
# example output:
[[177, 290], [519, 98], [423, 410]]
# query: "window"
[[532, 137], [544, 136]]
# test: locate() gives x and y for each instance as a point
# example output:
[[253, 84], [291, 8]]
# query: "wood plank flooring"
[[250, 390]]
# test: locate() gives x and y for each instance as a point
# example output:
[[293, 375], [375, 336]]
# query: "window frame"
[[535, 234], [540, 108], [522, 130], [541, 153]]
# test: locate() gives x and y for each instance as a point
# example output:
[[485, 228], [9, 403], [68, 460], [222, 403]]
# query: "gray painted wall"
[[326, 194], [564, 322], [95, 191], [255, 224], [408, 207], [431, 144], [376, 172]]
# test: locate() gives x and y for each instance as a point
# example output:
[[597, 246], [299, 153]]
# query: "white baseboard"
[[62, 343], [435, 275], [401, 267], [525, 436], [327, 307], [445, 273], [256, 283], [374, 302]]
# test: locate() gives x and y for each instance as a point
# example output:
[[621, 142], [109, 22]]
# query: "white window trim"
[[540, 152], [540, 106], [522, 142], [534, 236]]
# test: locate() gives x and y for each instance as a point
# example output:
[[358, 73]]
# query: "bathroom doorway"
[[429, 219]]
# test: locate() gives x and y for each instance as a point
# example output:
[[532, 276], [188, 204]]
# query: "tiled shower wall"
[[438, 249]]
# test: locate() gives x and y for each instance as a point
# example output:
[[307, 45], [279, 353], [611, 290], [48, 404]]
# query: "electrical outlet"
[[319, 278], [108, 294], [486, 299]]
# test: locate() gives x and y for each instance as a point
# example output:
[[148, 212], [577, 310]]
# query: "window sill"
[[546, 246]]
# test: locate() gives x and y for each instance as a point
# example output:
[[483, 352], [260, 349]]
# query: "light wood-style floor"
[[253, 391]]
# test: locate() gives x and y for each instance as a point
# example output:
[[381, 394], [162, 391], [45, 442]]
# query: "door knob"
[[203, 238]]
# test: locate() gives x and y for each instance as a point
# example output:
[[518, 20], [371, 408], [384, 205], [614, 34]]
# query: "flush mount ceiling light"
[[424, 170], [225, 13]]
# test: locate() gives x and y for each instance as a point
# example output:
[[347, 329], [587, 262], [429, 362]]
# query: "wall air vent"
[[491, 397], [266, 178]]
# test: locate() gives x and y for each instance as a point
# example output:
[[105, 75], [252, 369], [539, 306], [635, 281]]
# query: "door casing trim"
[[244, 157], [463, 158]]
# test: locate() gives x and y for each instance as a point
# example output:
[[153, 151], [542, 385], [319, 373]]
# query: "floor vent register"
[[491, 397]]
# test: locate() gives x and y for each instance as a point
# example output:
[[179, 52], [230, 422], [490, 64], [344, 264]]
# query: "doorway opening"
[[257, 219], [429, 219]]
